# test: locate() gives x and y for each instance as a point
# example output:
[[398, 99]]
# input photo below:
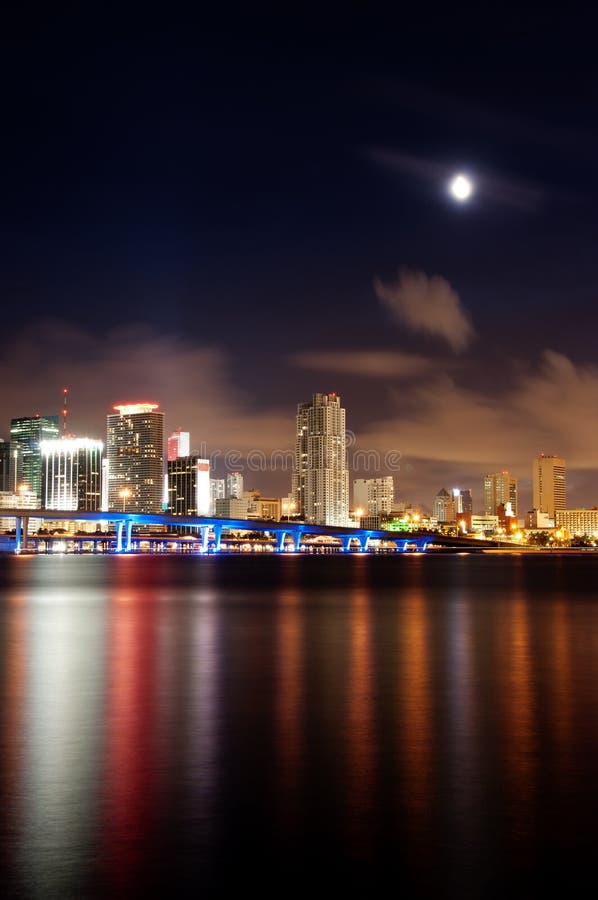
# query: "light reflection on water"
[[168, 723]]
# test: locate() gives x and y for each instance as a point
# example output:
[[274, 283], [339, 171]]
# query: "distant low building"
[[231, 508], [577, 521]]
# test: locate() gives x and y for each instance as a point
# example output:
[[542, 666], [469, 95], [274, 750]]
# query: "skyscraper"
[[549, 484], [444, 508], [135, 452], [462, 501], [5, 484], [234, 486], [72, 474], [188, 486], [178, 444], [26, 433], [320, 477], [500, 488]]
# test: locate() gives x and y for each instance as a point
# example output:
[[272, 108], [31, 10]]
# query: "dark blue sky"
[[241, 184]]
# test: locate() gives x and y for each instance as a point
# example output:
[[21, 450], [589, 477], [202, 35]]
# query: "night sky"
[[227, 216]]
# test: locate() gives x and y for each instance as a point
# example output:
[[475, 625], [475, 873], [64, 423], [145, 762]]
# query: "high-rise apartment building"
[[188, 486], [135, 452], [217, 492], [5, 483], [26, 434], [444, 508], [500, 488], [178, 444], [375, 496], [321, 477], [72, 474], [549, 484], [234, 486]]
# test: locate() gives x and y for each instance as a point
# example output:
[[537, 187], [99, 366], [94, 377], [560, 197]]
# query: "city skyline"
[[145, 249]]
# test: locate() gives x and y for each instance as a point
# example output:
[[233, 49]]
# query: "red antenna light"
[[64, 409]]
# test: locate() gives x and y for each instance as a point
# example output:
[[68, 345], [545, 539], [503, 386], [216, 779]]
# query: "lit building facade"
[[135, 452], [178, 445], [217, 492], [375, 496], [444, 508], [188, 486], [26, 435], [577, 521], [234, 486], [72, 474], [549, 484], [500, 488], [5, 483], [462, 501], [320, 478]]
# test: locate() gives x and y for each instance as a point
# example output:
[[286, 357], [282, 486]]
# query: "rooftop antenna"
[[65, 409]]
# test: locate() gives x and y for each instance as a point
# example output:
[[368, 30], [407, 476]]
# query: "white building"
[[72, 474], [320, 476], [577, 521], [375, 496], [217, 492], [234, 485]]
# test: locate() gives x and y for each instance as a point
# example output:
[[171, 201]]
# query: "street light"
[[126, 492]]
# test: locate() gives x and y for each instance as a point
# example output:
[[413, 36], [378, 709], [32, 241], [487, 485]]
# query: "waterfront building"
[[231, 508], [500, 488], [549, 484], [135, 452], [72, 474], [5, 484], [234, 485], [188, 486], [443, 507], [487, 525], [178, 445], [375, 496], [320, 477], [578, 521], [217, 492], [26, 434], [22, 499]]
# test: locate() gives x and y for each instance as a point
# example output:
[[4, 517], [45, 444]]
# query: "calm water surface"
[[292, 726]]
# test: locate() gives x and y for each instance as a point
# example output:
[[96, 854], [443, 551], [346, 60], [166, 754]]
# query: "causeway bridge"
[[350, 538]]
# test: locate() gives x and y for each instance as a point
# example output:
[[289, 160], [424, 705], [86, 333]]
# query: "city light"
[[134, 409]]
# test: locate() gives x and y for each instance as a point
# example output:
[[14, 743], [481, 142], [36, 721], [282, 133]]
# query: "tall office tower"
[[462, 501], [26, 433], [5, 484], [375, 496], [321, 477], [499, 488], [234, 486], [549, 484], [188, 486], [178, 444], [72, 474], [135, 451], [444, 508]]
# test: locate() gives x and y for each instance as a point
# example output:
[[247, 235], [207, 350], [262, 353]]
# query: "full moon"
[[461, 188]]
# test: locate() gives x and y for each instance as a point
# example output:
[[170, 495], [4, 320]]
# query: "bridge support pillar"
[[119, 536], [280, 541], [129, 536], [348, 539], [365, 544], [18, 526], [205, 534], [297, 537], [217, 529]]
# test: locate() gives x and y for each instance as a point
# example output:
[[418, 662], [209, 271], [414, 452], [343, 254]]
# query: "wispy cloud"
[[427, 305], [368, 363]]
